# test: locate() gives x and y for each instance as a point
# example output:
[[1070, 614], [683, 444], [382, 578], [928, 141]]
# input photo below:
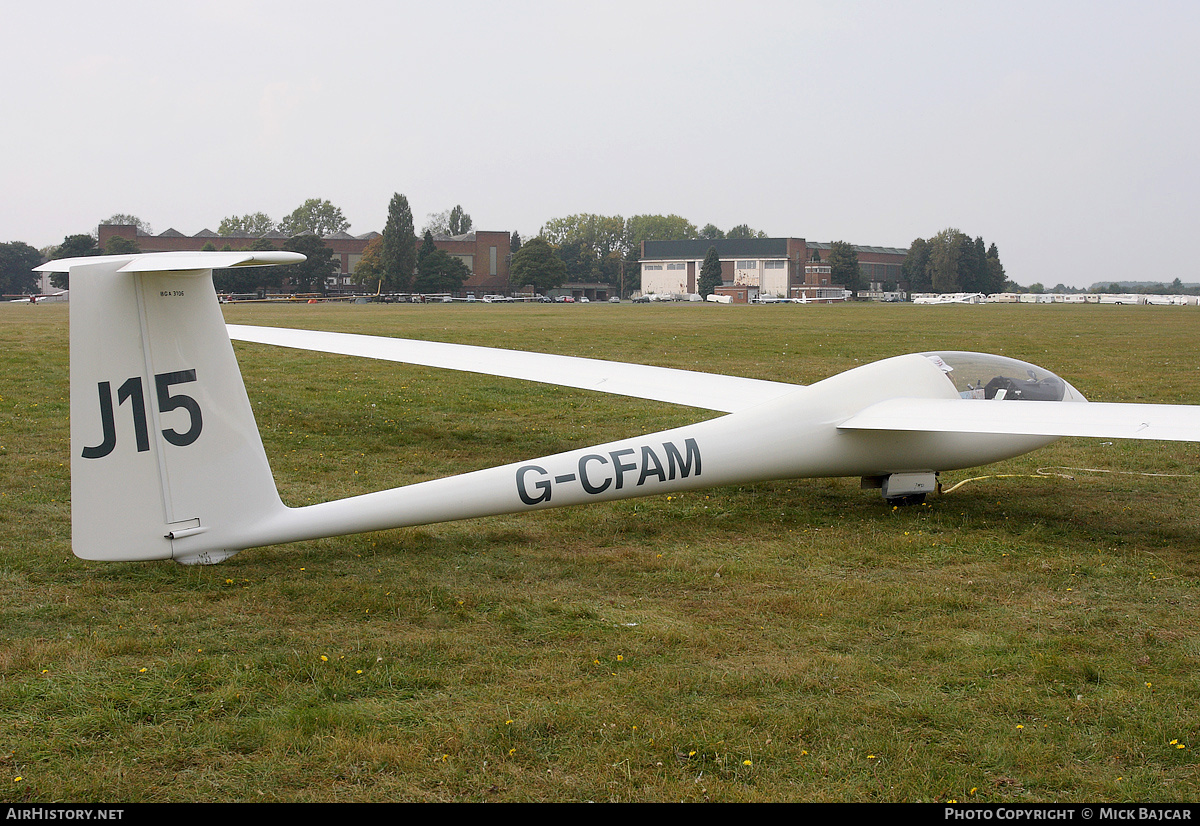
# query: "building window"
[[652, 266], [774, 265], [491, 260], [747, 265], [677, 266]]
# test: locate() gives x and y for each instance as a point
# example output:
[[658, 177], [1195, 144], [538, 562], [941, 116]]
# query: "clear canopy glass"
[[986, 376]]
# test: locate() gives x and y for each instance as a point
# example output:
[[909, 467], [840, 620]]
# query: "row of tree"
[[951, 262], [605, 248], [315, 215], [581, 247], [392, 261], [321, 217]]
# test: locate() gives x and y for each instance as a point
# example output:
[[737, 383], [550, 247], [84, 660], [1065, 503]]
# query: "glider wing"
[[1032, 418], [694, 389]]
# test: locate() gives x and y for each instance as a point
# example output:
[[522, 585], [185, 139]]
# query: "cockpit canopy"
[[985, 376]]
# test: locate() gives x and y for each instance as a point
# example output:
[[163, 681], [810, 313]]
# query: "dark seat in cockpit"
[[1047, 389]]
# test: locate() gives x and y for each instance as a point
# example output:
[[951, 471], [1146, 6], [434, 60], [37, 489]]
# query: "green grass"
[[1023, 638]]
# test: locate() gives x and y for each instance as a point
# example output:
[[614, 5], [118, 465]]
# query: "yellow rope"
[[1045, 472]]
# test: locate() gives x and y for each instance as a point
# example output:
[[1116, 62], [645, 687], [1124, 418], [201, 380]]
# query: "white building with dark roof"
[[779, 267]]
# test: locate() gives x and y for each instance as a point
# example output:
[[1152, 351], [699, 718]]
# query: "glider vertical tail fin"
[[166, 458]]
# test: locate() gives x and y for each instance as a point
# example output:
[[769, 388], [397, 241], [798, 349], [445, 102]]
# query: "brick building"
[[782, 267], [486, 254]]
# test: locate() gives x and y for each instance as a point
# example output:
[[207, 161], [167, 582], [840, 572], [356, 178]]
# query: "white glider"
[[167, 461]]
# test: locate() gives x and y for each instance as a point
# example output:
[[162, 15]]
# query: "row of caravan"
[[1054, 298]]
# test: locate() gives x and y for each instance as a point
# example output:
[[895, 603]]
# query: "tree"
[[514, 242], [309, 275], [710, 273], [744, 231], [119, 245], [427, 248], [972, 271], [460, 222], [536, 266], [73, 246], [17, 260], [711, 232], [915, 269], [256, 223], [315, 216], [995, 271], [440, 272], [437, 222], [123, 219], [602, 234], [951, 262], [369, 269], [448, 222], [951, 255], [592, 246], [579, 260], [843, 266], [249, 279], [641, 228], [399, 254]]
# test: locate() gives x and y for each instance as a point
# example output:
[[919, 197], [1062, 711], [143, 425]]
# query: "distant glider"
[[167, 461]]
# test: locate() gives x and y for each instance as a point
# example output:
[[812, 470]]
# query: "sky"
[[1063, 132]]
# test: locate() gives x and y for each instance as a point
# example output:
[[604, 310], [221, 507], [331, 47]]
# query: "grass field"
[[1023, 638]]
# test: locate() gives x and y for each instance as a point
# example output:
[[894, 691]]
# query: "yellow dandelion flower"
[[508, 722], [620, 658], [1020, 726], [141, 670], [511, 752], [18, 779], [324, 659], [747, 763]]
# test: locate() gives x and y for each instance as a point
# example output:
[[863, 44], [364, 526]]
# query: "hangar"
[[781, 267]]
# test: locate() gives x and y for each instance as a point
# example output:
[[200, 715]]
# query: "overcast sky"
[[1065, 133]]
